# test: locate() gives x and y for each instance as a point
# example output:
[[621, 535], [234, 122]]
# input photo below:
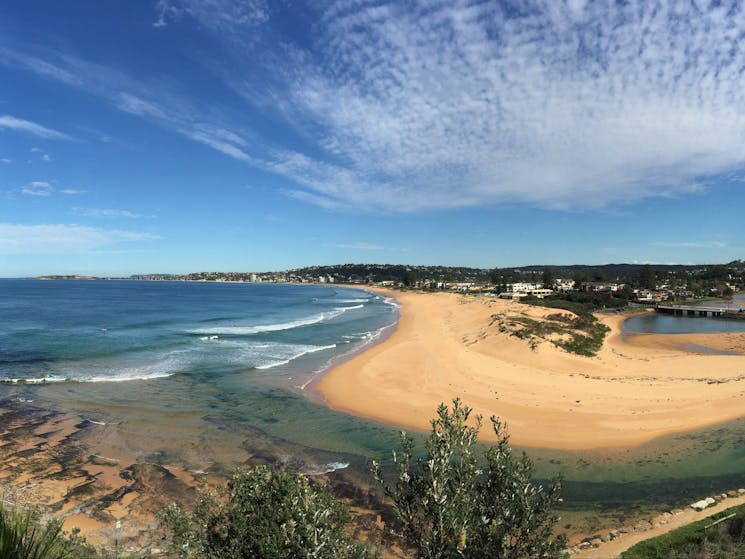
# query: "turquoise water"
[[105, 331], [204, 373], [209, 376]]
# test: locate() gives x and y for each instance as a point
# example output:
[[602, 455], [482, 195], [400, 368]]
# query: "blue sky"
[[188, 135]]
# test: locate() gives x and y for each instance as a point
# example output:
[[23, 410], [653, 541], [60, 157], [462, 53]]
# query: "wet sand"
[[447, 345]]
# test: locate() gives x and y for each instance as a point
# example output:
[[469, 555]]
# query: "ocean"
[[205, 374], [116, 331]]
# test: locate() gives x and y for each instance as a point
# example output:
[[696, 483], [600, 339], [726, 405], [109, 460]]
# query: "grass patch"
[[586, 345], [579, 333], [697, 540]]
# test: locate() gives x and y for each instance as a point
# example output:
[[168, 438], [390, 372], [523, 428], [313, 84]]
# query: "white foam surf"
[[302, 350], [34, 380], [325, 469], [344, 309], [260, 328], [235, 330]]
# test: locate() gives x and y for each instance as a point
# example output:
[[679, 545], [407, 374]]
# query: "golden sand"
[[447, 345]]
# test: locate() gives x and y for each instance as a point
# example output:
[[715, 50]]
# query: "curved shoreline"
[[383, 334], [629, 394]]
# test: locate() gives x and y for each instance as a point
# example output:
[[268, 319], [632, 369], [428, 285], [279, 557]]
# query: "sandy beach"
[[445, 345]]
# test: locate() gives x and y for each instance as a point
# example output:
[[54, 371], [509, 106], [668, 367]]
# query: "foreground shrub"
[[24, 536], [451, 504], [265, 513]]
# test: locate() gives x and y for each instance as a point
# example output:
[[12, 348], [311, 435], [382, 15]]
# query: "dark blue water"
[[206, 374], [103, 331]]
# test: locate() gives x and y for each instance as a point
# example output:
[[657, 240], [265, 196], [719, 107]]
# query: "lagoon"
[[655, 323]]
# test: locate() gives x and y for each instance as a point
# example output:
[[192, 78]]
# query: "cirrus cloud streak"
[[560, 105], [434, 104], [63, 238], [21, 125]]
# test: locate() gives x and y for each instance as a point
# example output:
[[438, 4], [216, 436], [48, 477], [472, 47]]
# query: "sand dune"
[[447, 345]]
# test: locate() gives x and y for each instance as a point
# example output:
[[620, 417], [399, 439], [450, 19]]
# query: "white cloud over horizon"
[[109, 212], [361, 246], [691, 244], [436, 104], [62, 238]]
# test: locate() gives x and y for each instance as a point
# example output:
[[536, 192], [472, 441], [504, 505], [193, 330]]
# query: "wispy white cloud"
[[312, 198], [561, 105], [135, 105], [275, 218], [661, 263], [63, 238], [39, 66], [691, 244], [37, 188], [435, 104], [45, 188], [165, 12], [221, 16], [20, 125], [107, 212], [146, 99], [5, 160], [361, 246], [44, 156], [229, 143]]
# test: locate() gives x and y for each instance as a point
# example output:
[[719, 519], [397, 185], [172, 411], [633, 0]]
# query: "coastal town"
[[643, 284]]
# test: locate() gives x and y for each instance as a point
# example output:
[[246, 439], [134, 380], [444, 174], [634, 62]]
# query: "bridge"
[[695, 310]]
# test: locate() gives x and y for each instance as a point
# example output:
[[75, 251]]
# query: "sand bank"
[[446, 345]]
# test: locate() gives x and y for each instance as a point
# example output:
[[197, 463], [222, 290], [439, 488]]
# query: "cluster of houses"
[[511, 291], [514, 290], [519, 290]]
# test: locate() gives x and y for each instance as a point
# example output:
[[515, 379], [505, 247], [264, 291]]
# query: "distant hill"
[[732, 272]]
